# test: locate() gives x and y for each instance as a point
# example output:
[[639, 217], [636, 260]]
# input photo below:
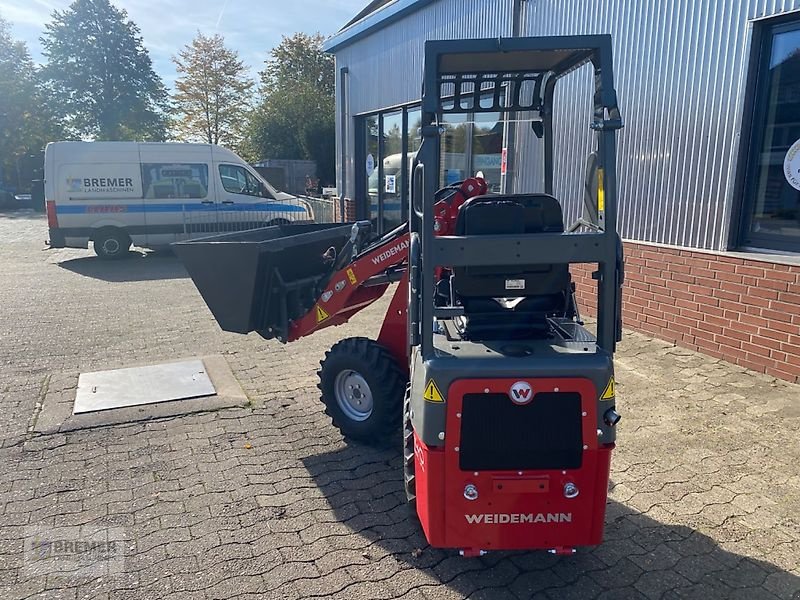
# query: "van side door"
[[178, 198]]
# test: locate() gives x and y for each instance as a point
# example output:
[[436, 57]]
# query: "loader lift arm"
[[360, 282]]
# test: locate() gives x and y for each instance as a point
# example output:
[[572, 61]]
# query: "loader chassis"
[[506, 400]]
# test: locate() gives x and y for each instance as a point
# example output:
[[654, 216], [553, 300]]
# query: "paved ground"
[[268, 502]]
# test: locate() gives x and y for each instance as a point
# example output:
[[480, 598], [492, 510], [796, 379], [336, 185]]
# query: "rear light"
[[52, 217]]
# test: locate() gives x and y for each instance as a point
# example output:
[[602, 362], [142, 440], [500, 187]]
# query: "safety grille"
[[498, 435]]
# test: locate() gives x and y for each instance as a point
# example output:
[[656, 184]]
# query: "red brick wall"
[[349, 211], [741, 310]]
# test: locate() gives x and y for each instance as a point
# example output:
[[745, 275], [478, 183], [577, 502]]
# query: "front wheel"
[[362, 389], [111, 244]]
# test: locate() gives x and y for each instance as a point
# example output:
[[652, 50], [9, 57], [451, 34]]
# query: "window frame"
[[360, 179], [755, 107]]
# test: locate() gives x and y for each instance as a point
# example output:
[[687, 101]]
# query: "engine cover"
[[520, 467]]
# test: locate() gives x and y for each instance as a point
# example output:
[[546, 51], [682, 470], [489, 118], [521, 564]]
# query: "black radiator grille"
[[497, 434]]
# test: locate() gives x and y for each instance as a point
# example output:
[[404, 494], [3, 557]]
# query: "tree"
[[213, 92], [26, 123], [296, 117], [101, 74]]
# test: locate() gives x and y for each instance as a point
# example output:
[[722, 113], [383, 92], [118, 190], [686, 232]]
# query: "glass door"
[[371, 170], [391, 175], [772, 218]]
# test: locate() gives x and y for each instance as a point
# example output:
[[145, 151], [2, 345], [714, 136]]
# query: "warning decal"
[[432, 393], [321, 314], [610, 391], [352, 277]]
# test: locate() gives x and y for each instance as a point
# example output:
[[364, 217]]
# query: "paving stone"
[[705, 478]]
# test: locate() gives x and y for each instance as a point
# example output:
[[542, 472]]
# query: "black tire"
[[409, 473], [111, 243], [365, 364], [277, 222]]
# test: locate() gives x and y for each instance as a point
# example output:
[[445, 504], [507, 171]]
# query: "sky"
[[252, 27]]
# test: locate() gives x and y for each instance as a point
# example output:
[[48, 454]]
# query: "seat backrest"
[[511, 214], [541, 212]]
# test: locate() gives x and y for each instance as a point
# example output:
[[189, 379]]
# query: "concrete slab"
[[56, 412], [134, 386]]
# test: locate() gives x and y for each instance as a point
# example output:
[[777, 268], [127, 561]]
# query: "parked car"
[[115, 194]]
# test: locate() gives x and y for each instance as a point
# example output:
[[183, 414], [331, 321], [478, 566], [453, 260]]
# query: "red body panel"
[[394, 331], [428, 471], [514, 510]]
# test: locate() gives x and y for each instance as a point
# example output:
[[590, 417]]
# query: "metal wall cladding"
[[680, 71]]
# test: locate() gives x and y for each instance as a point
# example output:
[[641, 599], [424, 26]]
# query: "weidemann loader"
[[505, 400]]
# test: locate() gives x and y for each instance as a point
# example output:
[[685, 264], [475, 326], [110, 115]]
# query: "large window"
[[470, 143], [369, 162], [392, 170], [487, 148], [454, 160], [773, 185], [171, 180]]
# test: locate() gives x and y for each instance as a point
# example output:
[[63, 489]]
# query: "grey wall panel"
[[680, 69]]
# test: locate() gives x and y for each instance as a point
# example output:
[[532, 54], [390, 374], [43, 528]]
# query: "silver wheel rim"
[[353, 395], [110, 246]]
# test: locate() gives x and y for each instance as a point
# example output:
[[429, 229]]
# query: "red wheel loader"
[[505, 400]]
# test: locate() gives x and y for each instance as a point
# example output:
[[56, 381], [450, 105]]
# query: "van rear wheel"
[[111, 243]]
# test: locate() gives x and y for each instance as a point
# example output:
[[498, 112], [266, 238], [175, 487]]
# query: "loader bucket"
[[259, 280]]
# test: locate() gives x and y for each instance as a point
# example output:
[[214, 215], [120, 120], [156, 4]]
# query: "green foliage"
[[26, 124], [101, 75], [296, 117], [299, 62], [212, 92]]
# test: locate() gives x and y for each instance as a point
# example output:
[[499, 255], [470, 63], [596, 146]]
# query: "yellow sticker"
[[321, 314], [432, 393], [601, 191], [351, 276], [610, 391]]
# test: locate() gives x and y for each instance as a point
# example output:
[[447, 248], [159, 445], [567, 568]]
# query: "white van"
[[115, 194]]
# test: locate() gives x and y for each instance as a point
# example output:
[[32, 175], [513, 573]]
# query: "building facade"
[[708, 161]]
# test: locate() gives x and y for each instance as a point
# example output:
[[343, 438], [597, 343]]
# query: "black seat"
[[543, 288]]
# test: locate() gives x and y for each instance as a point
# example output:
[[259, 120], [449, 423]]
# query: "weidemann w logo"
[[521, 392]]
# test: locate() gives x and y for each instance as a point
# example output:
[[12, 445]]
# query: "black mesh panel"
[[497, 434]]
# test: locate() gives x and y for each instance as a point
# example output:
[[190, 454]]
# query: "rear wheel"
[[111, 243], [409, 475], [362, 390]]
